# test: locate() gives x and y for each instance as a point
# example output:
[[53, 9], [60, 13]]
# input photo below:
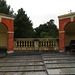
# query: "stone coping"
[[66, 15], [36, 38], [1, 14]]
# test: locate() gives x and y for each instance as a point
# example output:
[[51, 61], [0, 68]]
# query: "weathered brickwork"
[[9, 23], [63, 21], [62, 41], [74, 19], [10, 42], [62, 24]]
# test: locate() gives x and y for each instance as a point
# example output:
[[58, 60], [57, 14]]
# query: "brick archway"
[[64, 20], [8, 21]]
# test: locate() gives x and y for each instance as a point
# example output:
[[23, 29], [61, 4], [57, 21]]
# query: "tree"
[[4, 8], [39, 30], [52, 29], [47, 30], [23, 26], [44, 35]]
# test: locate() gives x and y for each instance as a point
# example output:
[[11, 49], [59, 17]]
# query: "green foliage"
[[47, 30], [23, 26], [44, 35], [4, 8]]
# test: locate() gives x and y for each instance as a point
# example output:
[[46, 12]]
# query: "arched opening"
[[3, 38], [69, 33]]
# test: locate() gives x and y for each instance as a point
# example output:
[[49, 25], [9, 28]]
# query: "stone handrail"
[[35, 44]]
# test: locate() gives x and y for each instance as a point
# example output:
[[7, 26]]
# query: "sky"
[[42, 11]]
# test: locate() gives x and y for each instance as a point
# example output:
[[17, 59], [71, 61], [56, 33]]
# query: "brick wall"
[[10, 26], [62, 24]]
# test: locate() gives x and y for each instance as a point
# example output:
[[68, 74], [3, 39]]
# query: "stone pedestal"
[[36, 44]]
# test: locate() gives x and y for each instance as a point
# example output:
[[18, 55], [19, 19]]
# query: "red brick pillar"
[[63, 21], [10, 42], [8, 21], [62, 24], [62, 41]]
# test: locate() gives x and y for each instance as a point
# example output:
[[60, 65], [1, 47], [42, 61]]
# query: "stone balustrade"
[[35, 44]]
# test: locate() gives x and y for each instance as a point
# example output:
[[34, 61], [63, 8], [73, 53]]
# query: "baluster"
[[48, 43], [40, 43], [53, 43], [43, 43], [29, 43], [21, 43], [56, 45], [16, 43], [26, 44], [33, 43]]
